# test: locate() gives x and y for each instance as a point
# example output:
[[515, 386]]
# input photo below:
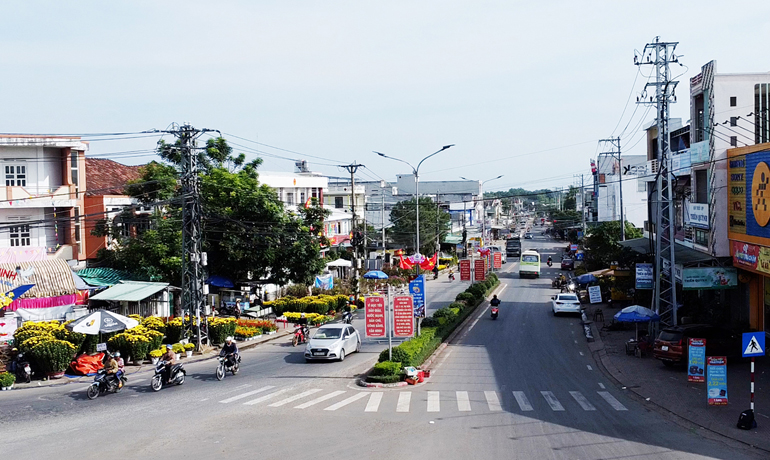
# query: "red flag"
[[404, 263], [307, 203], [428, 264]]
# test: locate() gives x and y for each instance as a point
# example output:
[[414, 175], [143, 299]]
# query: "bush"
[[385, 378], [429, 322], [156, 353], [53, 355], [386, 368], [7, 379], [477, 290], [466, 297], [189, 347], [458, 305], [174, 330], [178, 348], [221, 328]]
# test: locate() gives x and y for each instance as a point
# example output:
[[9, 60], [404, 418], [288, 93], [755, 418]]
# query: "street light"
[[483, 204], [416, 172]]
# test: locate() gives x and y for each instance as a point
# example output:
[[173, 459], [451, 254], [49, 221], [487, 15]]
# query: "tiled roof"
[[107, 177]]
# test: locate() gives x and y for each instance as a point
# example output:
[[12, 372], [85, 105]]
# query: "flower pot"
[[257, 337], [55, 375], [271, 332], [178, 356], [189, 353], [154, 361]]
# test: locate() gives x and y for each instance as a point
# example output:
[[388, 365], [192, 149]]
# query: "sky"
[[525, 89]]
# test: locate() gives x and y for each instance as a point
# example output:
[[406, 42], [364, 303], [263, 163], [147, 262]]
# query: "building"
[[629, 173], [295, 189], [338, 196], [41, 201]]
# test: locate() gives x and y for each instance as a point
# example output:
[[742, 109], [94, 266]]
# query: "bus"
[[529, 264], [513, 247]]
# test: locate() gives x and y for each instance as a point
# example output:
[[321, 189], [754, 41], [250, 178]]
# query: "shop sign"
[[709, 278], [7, 328], [696, 215], [417, 289], [644, 276], [736, 194], [375, 316], [680, 164], [403, 316], [699, 152], [748, 191], [696, 362], [480, 269], [751, 256], [465, 270], [716, 372]]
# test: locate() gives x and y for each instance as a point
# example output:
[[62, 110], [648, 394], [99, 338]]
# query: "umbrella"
[[376, 275], [585, 279], [636, 314], [102, 322]]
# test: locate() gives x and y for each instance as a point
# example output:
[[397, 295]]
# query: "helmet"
[[229, 339], [169, 347], [117, 354]]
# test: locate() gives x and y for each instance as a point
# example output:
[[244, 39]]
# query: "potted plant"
[[53, 356], [155, 356], [188, 349], [6, 381], [178, 349]]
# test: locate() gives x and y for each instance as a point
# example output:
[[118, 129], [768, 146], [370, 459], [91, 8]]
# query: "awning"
[[103, 276], [52, 278], [220, 282], [682, 253], [340, 263], [130, 291], [453, 239]]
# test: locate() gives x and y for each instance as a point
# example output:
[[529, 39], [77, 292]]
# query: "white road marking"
[[589, 367], [601, 385], [239, 387], [204, 399], [265, 398], [295, 397], [611, 400], [552, 401], [493, 401], [575, 341], [434, 404], [347, 401], [323, 398], [246, 395], [521, 398], [581, 353], [374, 402], [582, 400], [463, 402], [404, 398]]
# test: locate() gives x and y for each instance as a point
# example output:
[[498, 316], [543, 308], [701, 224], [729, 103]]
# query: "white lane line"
[[589, 367], [323, 398], [374, 402], [581, 353], [521, 398], [493, 401], [204, 399], [434, 404], [582, 400], [347, 401], [463, 402], [601, 385], [246, 395], [266, 397], [239, 387], [611, 400], [295, 397], [552, 401], [404, 398]]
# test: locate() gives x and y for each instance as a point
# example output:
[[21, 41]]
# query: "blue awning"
[[220, 282]]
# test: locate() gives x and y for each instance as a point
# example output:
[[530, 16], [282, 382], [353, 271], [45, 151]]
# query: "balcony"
[[37, 197]]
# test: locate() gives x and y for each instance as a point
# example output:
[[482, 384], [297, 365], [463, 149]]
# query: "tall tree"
[[433, 221], [602, 247]]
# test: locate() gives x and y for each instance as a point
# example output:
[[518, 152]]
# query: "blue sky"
[[522, 88]]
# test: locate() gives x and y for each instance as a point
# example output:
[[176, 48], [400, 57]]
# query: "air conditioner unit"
[[652, 167]]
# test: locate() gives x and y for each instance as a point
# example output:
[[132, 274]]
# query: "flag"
[[307, 203], [404, 263], [428, 264]]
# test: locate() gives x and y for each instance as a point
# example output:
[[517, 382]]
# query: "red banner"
[[498, 260], [465, 270], [480, 269], [403, 316], [375, 316]]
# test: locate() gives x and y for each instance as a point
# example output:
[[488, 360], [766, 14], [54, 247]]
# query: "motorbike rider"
[[169, 359], [451, 274], [121, 365], [111, 369], [550, 261], [495, 302], [230, 351]]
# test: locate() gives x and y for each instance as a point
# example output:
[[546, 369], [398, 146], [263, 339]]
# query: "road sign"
[[465, 270], [480, 269], [753, 344], [498, 260], [403, 316], [375, 316]]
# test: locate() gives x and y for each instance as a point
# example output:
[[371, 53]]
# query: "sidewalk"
[[668, 388], [146, 367]]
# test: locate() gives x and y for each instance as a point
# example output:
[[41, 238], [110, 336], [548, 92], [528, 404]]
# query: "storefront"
[[748, 230]]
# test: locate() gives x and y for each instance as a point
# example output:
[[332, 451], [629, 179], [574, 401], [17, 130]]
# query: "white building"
[[295, 189], [338, 196], [631, 174]]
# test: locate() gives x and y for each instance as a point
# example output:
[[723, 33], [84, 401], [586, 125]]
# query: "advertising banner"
[[736, 195], [696, 361], [699, 152], [7, 328], [480, 269], [751, 256], [748, 194], [498, 260], [680, 164], [465, 270], [595, 294], [417, 289], [644, 276], [403, 316], [375, 316], [716, 383], [709, 278], [696, 215]]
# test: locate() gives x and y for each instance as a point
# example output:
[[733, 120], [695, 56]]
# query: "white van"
[[529, 265], [499, 249]]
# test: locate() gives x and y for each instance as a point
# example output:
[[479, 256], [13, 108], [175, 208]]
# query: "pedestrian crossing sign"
[[753, 344]]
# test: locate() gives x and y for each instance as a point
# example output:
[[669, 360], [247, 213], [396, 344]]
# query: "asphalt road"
[[523, 386]]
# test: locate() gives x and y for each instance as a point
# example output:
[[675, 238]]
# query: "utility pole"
[[382, 218], [352, 168], [616, 145], [661, 54], [583, 203]]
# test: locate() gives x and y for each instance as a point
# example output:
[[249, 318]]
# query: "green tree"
[[602, 247], [403, 217]]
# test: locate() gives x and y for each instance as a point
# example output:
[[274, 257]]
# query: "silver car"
[[333, 341], [565, 303]]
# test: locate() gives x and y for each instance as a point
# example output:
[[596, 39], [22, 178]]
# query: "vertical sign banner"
[[403, 316], [465, 270], [696, 362], [417, 289], [480, 269], [498, 260], [595, 294], [716, 372], [736, 194], [375, 316], [644, 276]]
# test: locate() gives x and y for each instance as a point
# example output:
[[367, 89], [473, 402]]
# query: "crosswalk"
[[431, 401]]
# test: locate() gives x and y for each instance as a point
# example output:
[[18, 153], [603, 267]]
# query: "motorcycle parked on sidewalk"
[[22, 369], [104, 383], [301, 335], [177, 375], [227, 364], [495, 311]]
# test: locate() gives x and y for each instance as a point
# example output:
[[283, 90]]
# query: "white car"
[[494, 249], [565, 303], [333, 341]]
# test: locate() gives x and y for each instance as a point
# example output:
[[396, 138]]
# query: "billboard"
[[644, 276], [403, 316], [709, 278], [480, 269], [465, 270], [748, 192], [375, 316], [417, 289]]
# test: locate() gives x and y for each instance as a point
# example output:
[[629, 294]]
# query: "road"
[[523, 386]]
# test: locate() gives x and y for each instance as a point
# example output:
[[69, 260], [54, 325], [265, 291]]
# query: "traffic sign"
[[753, 344]]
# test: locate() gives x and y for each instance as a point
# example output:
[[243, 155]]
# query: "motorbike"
[[568, 287], [226, 310], [227, 364], [549, 262], [451, 277], [495, 311], [22, 369], [103, 383], [347, 317], [300, 335], [177, 375]]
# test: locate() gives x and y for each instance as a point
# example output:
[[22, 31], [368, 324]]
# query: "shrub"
[[466, 297], [429, 322], [156, 353], [477, 290], [29, 343], [458, 305], [154, 323], [6, 379], [386, 368], [385, 378], [174, 330], [53, 355], [221, 328]]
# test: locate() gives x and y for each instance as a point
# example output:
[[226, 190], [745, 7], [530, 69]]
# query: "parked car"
[[333, 341], [567, 263], [671, 344], [499, 249], [565, 303]]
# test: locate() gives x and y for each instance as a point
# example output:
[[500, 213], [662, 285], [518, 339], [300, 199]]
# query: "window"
[[701, 186], [734, 141], [701, 237], [641, 185], [289, 198], [762, 113], [74, 167], [339, 202], [733, 101], [302, 198], [77, 225], [15, 175], [733, 121], [20, 235]]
